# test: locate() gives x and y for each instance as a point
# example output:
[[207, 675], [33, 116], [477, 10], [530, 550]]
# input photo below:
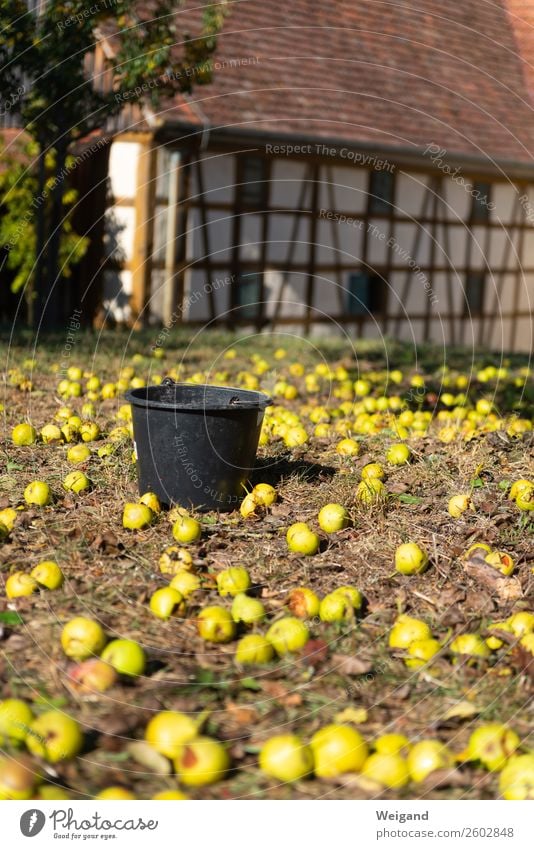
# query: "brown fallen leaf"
[[524, 660], [278, 691], [348, 665], [241, 714], [314, 652], [446, 778], [506, 589]]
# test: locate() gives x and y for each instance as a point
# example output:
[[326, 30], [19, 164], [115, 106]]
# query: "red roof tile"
[[384, 73]]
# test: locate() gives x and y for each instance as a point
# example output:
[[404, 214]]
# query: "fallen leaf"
[[348, 665], [506, 589], [278, 691], [241, 714], [446, 778], [314, 652], [461, 710]]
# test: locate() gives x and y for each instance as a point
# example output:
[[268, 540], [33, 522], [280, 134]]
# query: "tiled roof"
[[383, 73]]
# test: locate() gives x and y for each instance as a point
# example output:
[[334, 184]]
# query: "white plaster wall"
[[278, 234], [410, 192], [123, 162], [286, 183], [219, 176]]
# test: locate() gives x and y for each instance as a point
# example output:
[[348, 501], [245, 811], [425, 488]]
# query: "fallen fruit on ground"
[[458, 504], [427, 756], [76, 482], [165, 795], [286, 757], [338, 749], [125, 656], [186, 530], [469, 644], [15, 719], [252, 649], [20, 584], [398, 454], [387, 769], [136, 516], [492, 744], [175, 559], [54, 736], [19, 778], [516, 781], [201, 762], [92, 676], [247, 610], [233, 581], [288, 635], [265, 494], [82, 637], [335, 607], [48, 574], [37, 493], [410, 559], [116, 792], [302, 540], [23, 434], [406, 630], [169, 730], [304, 603], [392, 744], [332, 518], [151, 500], [215, 625], [167, 602]]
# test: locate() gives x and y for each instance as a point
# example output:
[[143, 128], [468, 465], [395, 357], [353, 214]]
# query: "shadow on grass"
[[273, 469]]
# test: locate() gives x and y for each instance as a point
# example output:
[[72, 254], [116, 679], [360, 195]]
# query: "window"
[[481, 200], [381, 186], [248, 294], [366, 293], [474, 292], [254, 182]]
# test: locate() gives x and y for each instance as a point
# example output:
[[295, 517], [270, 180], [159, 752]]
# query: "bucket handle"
[[233, 402]]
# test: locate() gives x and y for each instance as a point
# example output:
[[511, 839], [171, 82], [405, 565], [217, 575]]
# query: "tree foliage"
[[48, 79], [18, 185]]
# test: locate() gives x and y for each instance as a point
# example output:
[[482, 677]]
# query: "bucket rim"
[[248, 399]]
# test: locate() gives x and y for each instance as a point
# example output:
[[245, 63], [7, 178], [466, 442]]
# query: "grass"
[[111, 573]]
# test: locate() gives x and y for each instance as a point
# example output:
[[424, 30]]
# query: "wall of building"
[[424, 246]]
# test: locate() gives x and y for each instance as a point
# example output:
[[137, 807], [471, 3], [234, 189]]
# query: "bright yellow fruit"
[[169, 730], [338, 749], [388, 770], [286, 758]]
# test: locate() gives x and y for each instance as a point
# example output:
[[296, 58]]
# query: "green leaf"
[[250, 684], [505, 485], [477, 483], [11, 466], [410, 499], [10, 617]]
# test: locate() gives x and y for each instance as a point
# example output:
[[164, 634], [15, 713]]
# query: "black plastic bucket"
[[196, 445]]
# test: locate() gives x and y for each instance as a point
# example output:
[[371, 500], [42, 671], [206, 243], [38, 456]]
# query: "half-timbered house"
[[363, 166]]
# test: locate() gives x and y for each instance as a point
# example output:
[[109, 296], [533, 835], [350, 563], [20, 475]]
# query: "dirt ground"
[[346, 673]]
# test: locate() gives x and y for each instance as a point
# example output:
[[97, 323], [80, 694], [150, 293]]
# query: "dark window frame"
[[253, 194], [480, 213], [379, 204], [376, 301], [474, 306], [252, 309]]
